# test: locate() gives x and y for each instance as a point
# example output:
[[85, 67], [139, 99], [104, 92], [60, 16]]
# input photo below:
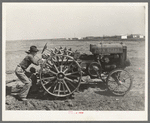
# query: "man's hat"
[[32, 49]]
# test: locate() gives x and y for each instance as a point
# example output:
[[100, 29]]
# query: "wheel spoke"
[[66, 86], [71, 84], [66, 61], [68, 79], [65, 70], [68, 68], [49, 88], [111, 81], [59, 88], [53, 77], [62, 58], [52, 72], [55, 87], [58, 60], [51, 85], [117, 79], [61, 68], [49, 81], [49, 64], [56, 68], [125, 74], [116, 87], [118, 75], [63, 88], [124, 85]]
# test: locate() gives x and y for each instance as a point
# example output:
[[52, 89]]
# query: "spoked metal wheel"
[[60, 75], [119, 82]]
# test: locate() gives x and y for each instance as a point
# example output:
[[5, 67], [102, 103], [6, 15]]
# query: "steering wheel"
[[44, 48]]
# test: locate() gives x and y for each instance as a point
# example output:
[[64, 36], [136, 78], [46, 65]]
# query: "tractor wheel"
[[119, 82], [60, 75]]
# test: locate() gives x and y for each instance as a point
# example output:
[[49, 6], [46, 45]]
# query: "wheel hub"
[[120, 82], [60, 76]]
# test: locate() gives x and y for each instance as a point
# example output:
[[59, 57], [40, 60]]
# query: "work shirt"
[[27, 61]]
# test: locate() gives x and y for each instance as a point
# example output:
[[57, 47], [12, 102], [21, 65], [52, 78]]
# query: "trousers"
[[20, 73]]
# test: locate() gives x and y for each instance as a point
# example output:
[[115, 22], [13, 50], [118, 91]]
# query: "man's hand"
[[44, 56], [40, 61]]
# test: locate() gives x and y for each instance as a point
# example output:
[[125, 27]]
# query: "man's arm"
[[33, 60]]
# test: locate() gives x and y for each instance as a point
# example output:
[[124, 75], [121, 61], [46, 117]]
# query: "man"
[[21, 69]]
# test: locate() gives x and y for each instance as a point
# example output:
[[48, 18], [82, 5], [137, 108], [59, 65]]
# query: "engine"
[[103, 58], [96, 64], [110, 62]]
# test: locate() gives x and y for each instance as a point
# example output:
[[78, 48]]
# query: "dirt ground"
[[90, 96]]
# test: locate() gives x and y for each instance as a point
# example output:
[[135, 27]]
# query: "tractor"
[[62, 69]]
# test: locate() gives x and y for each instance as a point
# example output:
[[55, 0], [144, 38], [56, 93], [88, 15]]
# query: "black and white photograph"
[[74, 61]]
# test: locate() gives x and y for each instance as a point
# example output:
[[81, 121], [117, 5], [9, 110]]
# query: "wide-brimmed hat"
[[32, 49]]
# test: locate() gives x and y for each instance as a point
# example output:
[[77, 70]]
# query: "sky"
[[25, 21]]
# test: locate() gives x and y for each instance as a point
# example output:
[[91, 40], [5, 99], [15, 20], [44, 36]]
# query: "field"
[[89, 97]]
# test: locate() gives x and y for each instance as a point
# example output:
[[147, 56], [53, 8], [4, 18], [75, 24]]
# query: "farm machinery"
[[62, 70]]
